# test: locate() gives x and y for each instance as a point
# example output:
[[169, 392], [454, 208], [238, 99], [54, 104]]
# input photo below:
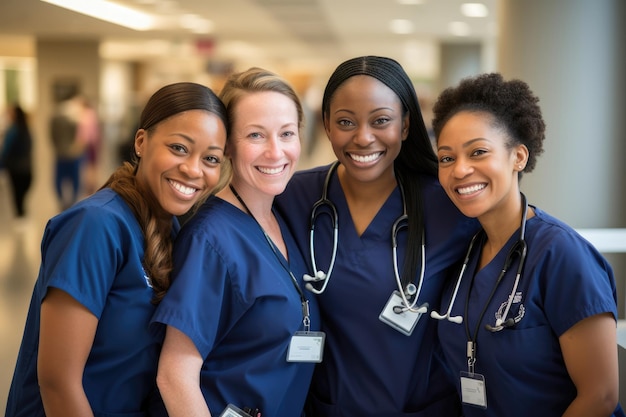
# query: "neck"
[[501, 224], [366, 191], [265, 218], [257, 205]]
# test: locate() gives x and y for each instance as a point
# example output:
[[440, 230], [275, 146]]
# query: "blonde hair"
[[256, 80]]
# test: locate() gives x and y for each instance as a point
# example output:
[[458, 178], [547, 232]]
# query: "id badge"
[[473, 390], [232, 411], [404, 321], [306, 347]]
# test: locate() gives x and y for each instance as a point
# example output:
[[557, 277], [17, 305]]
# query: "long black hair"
[[416, 157]]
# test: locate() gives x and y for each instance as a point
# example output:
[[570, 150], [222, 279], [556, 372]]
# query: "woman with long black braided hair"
[[397, 235]]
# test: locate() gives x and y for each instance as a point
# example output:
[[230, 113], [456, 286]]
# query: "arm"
[[66, 336], [178, 376], [590, 353]]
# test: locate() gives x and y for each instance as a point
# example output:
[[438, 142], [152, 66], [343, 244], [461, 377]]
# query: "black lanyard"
[[305, 303]]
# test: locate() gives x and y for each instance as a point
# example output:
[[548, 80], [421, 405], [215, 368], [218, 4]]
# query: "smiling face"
[[477, 169], [366, 127], [180, 158], [265, 144]]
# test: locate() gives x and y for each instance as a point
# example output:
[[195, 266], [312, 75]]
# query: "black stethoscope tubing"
[[400, 223], [519, 248]]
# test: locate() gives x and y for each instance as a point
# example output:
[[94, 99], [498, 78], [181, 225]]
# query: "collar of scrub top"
[[325, 206], [518, 249]]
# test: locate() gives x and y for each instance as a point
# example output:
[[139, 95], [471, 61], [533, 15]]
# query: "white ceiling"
[[297, 33]]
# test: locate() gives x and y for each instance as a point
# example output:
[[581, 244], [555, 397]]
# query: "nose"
[[462, 168], [363, 136], [273, 149], [191, 167]]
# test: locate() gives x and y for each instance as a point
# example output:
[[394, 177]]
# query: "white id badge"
[[404, 321], [473, 389], [306, 347], [232, 411]]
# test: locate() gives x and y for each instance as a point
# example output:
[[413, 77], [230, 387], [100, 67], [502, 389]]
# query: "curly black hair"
[[512, 104]]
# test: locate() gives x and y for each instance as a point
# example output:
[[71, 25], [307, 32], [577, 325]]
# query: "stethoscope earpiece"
[[319, 276]]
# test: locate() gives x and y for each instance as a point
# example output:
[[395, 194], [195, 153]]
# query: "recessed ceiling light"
[[109, 12], [195, 23], [401, 26], [410, 2], [474, 10]]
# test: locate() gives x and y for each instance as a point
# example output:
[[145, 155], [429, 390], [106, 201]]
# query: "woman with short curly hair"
[[531, 322]]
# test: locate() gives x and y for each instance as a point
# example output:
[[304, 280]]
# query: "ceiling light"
[[410, 2], [401, 26], [109, 12], [459, 28], [196, 23], [474, 10]]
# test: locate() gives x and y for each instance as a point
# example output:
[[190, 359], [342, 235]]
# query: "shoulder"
[[104, 214], [214, 218], [308, 178], [554, 238], [303, 189]]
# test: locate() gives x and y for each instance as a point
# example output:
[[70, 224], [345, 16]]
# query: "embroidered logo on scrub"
[[147, 278], [521, 310]]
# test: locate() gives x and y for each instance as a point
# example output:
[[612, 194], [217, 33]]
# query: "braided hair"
[[416, 155]]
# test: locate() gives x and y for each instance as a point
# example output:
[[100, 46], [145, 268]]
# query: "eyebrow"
[[193, 142], [465, 145], [373, 111]]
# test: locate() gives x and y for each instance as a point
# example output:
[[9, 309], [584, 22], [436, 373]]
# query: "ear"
[[521, 157], [140, 140], [405, 126]]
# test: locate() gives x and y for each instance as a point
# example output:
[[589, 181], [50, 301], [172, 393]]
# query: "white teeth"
[[271, 171], [472, 189], [365, 158], [183, 189]]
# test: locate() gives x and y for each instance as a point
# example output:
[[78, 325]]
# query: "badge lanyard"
[[473, 390], [305, 346]]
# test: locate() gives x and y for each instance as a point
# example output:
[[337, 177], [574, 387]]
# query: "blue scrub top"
[[232, 296], [565, 280], [94, 252], [369, 368]]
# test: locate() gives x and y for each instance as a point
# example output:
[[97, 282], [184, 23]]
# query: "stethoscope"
[[325, 206], [518, 249]]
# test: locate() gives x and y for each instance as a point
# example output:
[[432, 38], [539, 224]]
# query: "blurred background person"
[[88, 133], [16, 156], [68, 150]]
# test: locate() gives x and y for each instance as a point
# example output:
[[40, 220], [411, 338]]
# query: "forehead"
[[470, 125], [363, 88], [264, 106]]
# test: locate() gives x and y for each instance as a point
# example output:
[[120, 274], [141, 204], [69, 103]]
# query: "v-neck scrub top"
[[370, 368], [94, 252], [234, 299], [565, 280]]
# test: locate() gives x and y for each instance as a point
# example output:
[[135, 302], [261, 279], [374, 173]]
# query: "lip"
[[272, 170], [176, 184], [470, 189], [361, 158]]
